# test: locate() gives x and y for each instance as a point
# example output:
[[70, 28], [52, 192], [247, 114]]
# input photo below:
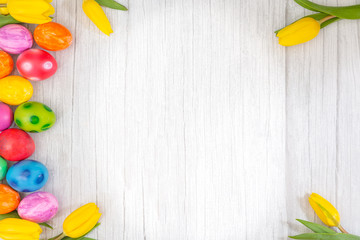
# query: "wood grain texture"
[[191, 122]]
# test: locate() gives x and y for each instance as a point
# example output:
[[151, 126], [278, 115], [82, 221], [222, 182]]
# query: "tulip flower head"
[[13, 228], [299, 32], [81, 221], [97, 15], [325, 210], [34, 11]]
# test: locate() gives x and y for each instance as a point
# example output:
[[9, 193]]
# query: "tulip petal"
[[35, 11], [299, 32], [327, 213], [15, 229], [81, 221], [97, 15]]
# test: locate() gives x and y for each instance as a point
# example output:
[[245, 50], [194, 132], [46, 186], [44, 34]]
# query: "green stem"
[[61, 236], [342, 229], [326, 19]]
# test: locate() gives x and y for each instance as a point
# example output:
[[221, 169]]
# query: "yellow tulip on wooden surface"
[[97, 15], [327, 213], [80, 222], [18, 229], [299, 32], [34, 11], [325, 210]]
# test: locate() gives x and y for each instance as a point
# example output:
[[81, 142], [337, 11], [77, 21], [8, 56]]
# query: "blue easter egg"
[[27, 176]]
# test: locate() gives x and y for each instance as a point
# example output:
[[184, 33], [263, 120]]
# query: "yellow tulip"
[[34, 11], [16, 229], [81, 221], [97, 15], [325, 211], [299, 32]]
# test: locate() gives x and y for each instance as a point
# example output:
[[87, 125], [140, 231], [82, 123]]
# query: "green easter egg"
[[3, 168], [34, 117]]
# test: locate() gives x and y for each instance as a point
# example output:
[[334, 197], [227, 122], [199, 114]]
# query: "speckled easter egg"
[[34, 117], [16, 145], [38, 207], [3, 168], [52, 36], [27, 176], [9, 199], [15, 90], [6, 64], [15, 38], [6, 116], [36, 64]]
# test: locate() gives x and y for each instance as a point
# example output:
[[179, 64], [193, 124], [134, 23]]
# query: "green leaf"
[[46, 225], [111, 4], [317, 228], [348, 12], [318, 17], [5, 20], [328, 22], [326, 236], [14, 214]]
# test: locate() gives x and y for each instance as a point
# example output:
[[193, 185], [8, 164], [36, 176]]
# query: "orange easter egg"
[[9, 199], [6, 64], [52, 36]]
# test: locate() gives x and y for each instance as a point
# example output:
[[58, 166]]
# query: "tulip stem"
[[60, 237], [326, 19], [342, 229]]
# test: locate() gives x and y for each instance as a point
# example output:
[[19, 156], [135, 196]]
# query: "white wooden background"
[[191, 122]]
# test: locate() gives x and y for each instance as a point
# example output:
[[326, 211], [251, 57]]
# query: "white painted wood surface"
[[191, 122]]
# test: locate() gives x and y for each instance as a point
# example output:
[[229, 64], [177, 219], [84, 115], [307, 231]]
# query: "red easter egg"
[[36, 64], [16, 145]]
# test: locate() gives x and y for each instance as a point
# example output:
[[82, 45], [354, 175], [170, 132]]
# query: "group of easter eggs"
[[16, 145]]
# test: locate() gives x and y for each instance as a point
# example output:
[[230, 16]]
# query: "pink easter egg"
[[15, 39], [6, 116], [38, 207]]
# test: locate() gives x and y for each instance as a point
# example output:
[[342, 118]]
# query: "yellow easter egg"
[[15, 90]]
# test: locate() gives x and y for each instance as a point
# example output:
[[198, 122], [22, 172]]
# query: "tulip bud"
[[96, 14], [34, 11], [299, 32], [81, 221], [325, 210], [13, 228]]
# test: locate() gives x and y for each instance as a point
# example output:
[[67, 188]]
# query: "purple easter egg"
[[6, 116], [38, 207], [15, 38]]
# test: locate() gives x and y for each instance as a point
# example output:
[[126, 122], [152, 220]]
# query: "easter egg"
[[36, 64], [52, 36], [38, 207], [27, 176], [34, 117], [15, 39], [6, 116], [3, 168], [16, 145], [6, 64], [9, 199], [15, 90]]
